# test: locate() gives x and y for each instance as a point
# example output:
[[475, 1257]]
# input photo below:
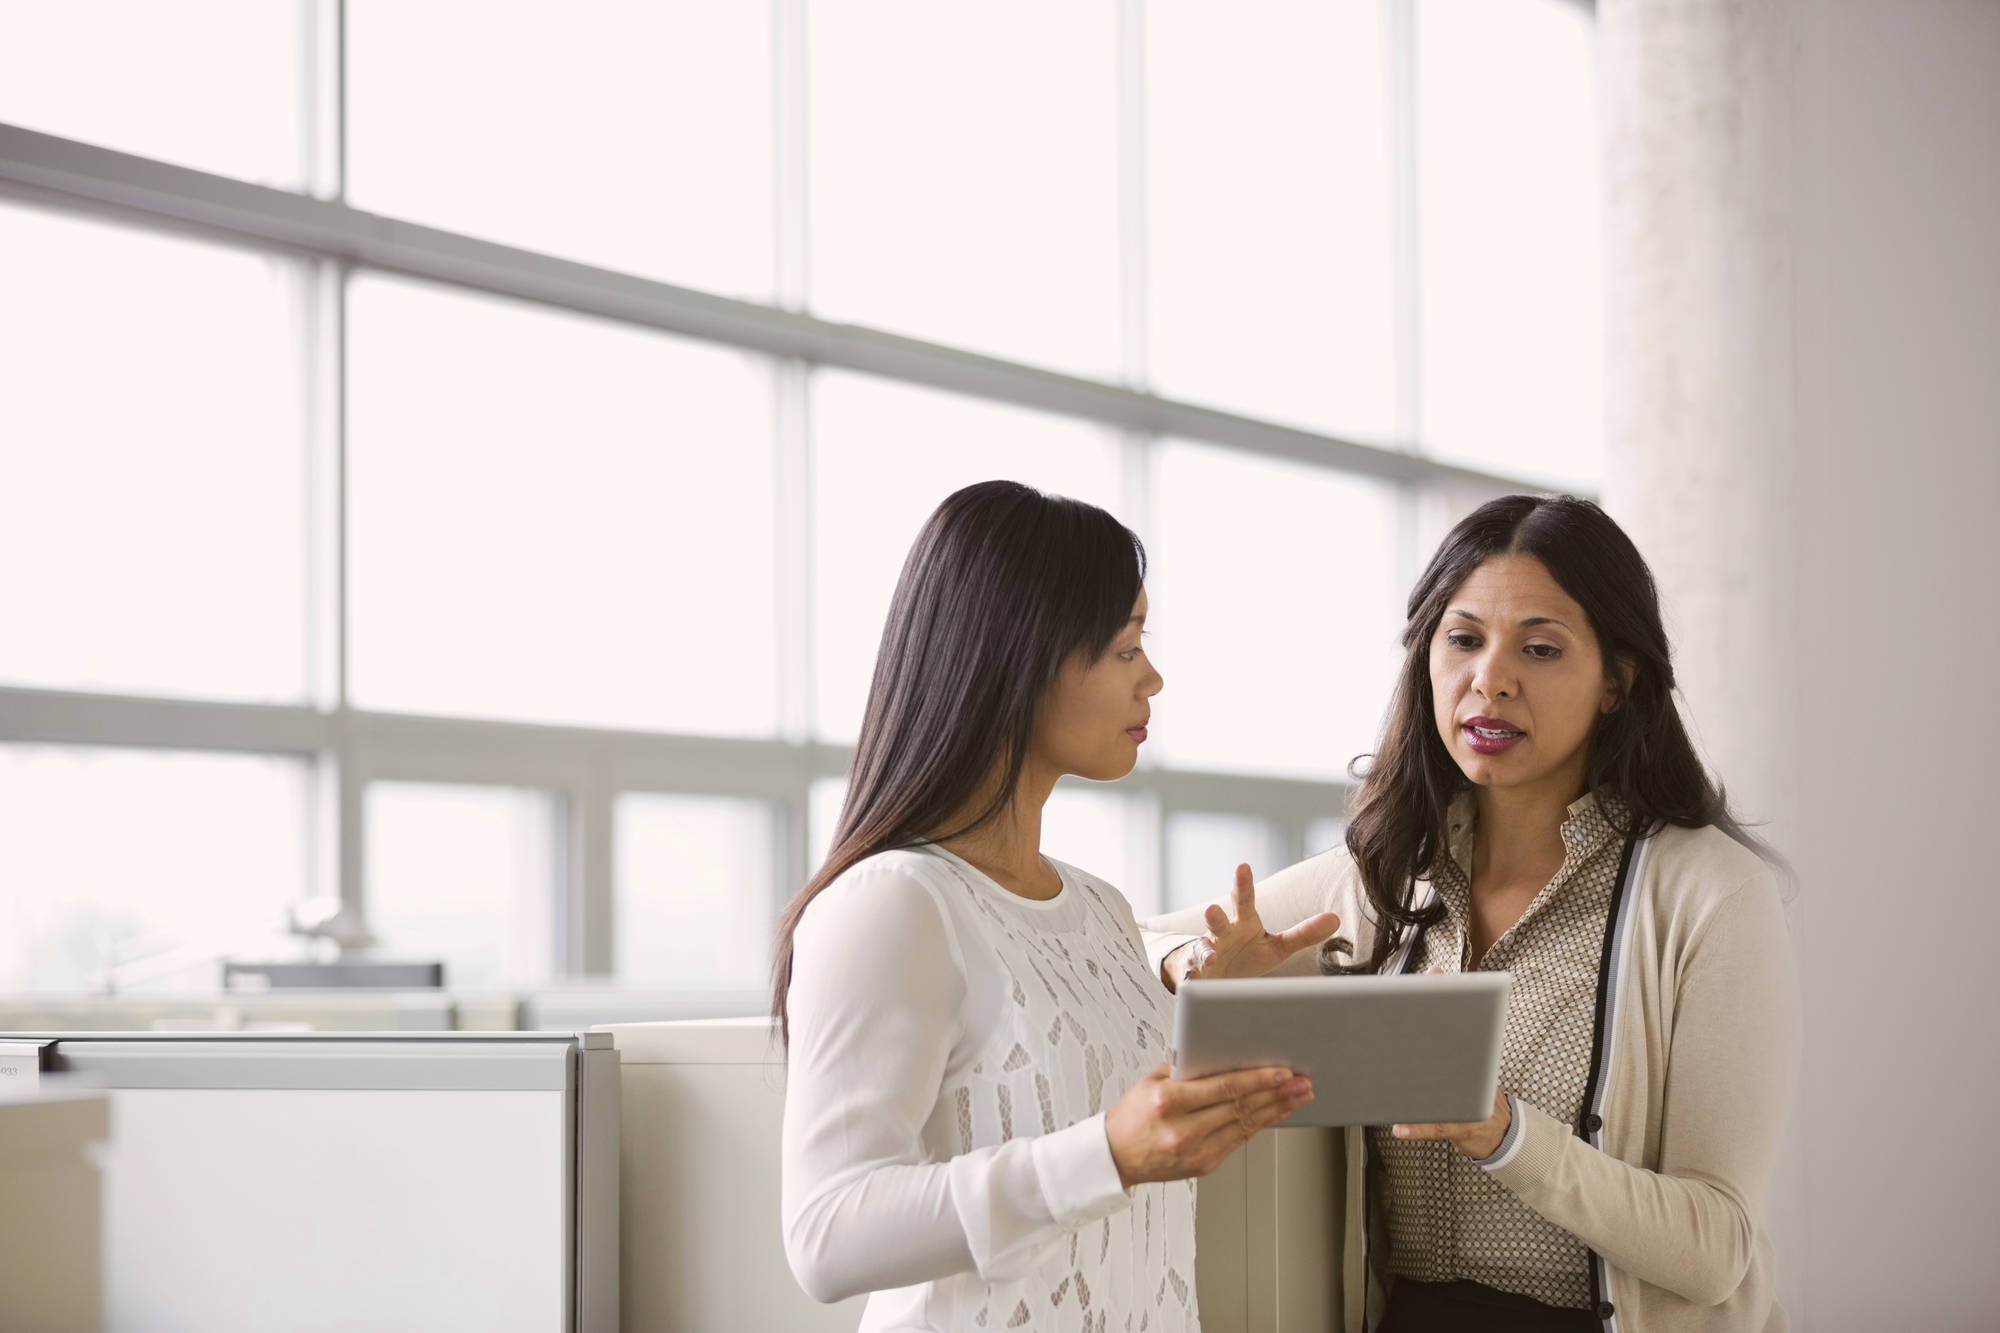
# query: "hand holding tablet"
[[1475, 1139], [1164, 1129]]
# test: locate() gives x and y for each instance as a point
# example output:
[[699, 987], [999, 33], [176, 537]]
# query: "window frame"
[[586, 768]]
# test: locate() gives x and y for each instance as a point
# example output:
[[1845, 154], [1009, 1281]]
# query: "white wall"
[[1803, 389], [1897, 338]]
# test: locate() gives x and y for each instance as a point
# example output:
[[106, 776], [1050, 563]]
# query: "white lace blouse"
[[954, 1047]]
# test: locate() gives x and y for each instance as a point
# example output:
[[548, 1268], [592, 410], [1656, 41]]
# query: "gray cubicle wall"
[[363, 1180]]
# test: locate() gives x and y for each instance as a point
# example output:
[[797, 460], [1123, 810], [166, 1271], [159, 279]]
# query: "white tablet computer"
[[1418, 1049]]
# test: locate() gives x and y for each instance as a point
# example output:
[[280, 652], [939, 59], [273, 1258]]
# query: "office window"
[[152, 453], [1095, 828], [557, 519], [211, 84], [1204, 848], [489, 530], [1324, 835], [966, 191], [1509, 235], [884, 456], [1274, 610], [1269, 222], [139, 869], [823, 803], [626, 134], [695, 908], [466, 875]]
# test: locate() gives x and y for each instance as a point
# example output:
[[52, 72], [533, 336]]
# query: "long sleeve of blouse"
[[877, 1018]]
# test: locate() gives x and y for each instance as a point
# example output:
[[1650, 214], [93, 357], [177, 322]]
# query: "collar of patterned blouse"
[[1584, 829], [1586, 832]]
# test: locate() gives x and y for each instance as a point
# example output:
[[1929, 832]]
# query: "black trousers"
[[1466, 1307]]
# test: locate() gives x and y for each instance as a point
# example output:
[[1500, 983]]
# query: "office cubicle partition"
[[704, 1242], [703, 1105], [50, 1204], [348, 1181]]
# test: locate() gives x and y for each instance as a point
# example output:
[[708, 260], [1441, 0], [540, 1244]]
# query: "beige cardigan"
[[1703, 1024]]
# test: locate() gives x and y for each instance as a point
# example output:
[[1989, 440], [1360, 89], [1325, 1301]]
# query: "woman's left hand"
[[1480, 1138], [1237, 945]]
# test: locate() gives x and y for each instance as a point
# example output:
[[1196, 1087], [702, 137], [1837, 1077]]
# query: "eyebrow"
[[1531, 620]]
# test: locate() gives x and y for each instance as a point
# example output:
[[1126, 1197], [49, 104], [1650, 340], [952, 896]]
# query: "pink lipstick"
[[1489, 735]]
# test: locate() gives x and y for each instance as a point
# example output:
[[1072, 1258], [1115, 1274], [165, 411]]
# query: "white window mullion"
[[323, 357], [347, 794], [325, 604], [1145, 825], [792, 387], [337, 827], [323, 128], [798, 651], [1416, 500], [584, 875], [798, 670], [1400, 87], [1135, 259], [789, 153]]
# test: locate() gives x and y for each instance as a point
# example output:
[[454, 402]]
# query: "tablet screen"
[[1380, 1050]]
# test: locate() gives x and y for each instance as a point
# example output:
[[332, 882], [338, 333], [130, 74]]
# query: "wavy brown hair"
[[1640, 752], [1003, 586]]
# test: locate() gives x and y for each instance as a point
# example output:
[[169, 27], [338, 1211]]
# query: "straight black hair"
[[1003, 586], [1640, 752]]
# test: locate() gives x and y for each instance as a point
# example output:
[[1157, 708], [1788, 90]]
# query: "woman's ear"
[[1618, 683]]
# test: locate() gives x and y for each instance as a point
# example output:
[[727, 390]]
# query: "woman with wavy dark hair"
[[979, 1128], [1536, 806]]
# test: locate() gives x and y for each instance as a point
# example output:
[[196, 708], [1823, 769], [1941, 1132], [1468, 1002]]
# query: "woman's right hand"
[[1237, 945], [1167, 1130]]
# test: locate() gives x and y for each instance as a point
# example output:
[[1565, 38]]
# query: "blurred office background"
[[455, 458]]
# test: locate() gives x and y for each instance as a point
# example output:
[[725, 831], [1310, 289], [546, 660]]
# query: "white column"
[[1803, 329], [1698, 375], [1697, 148]]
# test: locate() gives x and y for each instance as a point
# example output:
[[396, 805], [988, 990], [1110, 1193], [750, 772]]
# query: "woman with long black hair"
[[978, 1126], [1536, 806]]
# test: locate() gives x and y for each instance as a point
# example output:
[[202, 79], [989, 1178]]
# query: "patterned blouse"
[[954, 1050], [1447, 1218]]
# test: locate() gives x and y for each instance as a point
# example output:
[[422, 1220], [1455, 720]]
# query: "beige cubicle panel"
[[701, 1245], [698, 1189], [1268, 1226], [51, 1209]]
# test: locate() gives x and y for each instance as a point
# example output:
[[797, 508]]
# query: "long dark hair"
[[1003, 586], [1640, 753]]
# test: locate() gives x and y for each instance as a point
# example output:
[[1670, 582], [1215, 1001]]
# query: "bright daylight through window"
[[415, 504]]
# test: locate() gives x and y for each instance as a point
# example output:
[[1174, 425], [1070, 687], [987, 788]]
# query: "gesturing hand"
[[1237, 945]]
